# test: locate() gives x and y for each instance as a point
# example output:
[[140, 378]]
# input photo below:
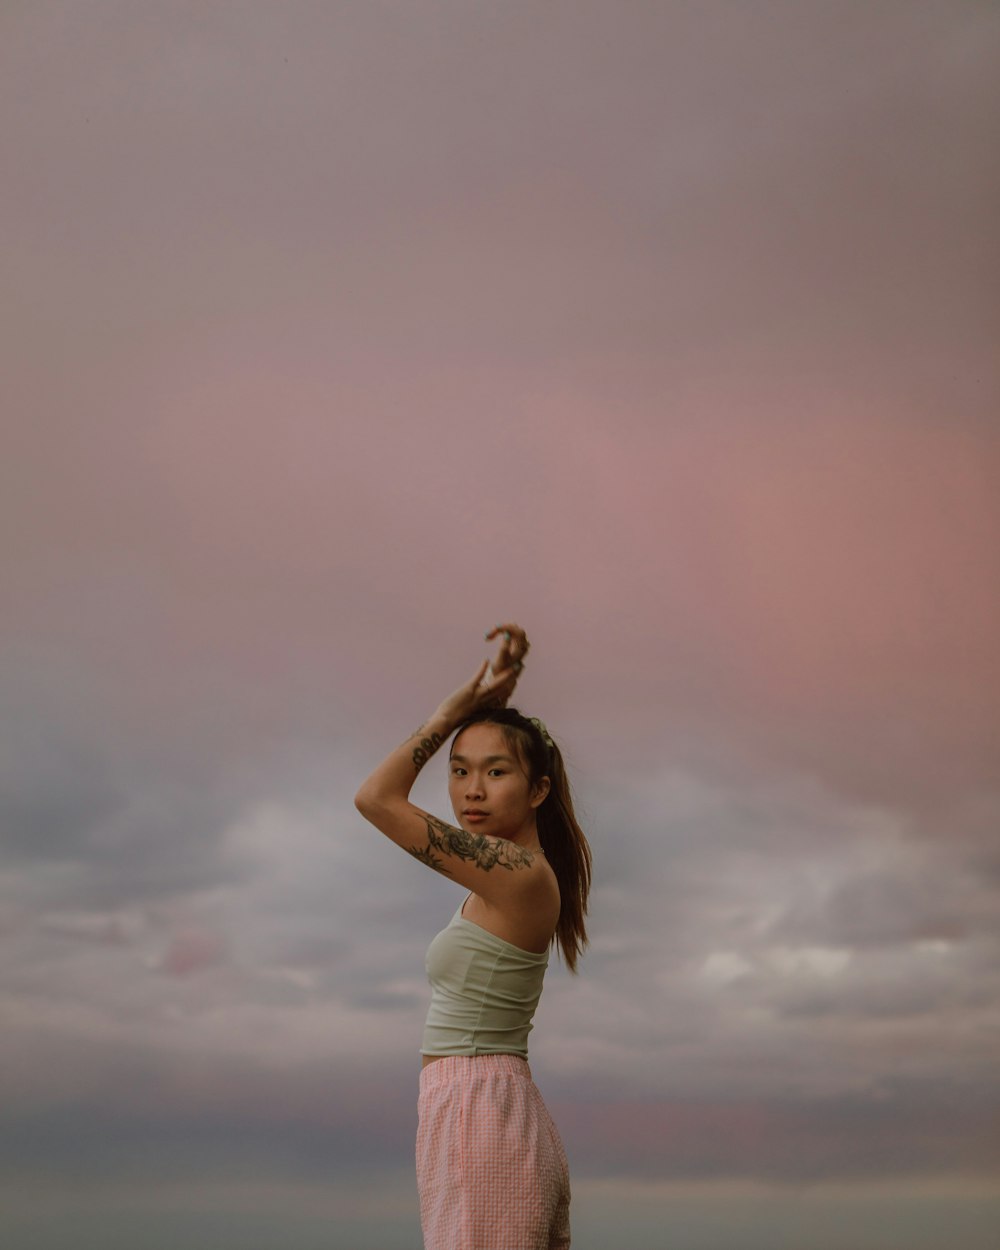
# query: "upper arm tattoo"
[[485, 853]]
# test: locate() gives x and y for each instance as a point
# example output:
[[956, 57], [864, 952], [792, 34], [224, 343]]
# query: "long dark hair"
[[563, 841]]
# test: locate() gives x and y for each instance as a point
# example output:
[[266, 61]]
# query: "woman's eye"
[[496, 772]]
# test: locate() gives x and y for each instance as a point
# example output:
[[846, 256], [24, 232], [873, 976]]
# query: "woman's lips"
[[475, 817]]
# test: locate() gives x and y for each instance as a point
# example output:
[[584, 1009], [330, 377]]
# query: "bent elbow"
[[369, 803]]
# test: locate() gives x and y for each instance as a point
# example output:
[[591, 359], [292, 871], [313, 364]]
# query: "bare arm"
[[384, 798]]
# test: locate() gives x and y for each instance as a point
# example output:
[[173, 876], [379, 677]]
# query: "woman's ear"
[[541, 791]]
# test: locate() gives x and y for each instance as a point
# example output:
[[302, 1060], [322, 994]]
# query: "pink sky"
[[335, 334]]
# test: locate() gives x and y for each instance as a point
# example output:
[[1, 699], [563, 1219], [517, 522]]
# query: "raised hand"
[[514, 647], [491, 686], [481, 690]]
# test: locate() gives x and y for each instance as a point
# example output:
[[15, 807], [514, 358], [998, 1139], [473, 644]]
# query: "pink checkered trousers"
[[491, 1169]]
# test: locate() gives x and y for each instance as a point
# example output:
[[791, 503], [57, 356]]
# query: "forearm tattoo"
[[486, 853], [423, 751]]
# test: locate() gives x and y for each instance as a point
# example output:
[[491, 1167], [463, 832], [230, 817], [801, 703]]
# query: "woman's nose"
[[473, 788]]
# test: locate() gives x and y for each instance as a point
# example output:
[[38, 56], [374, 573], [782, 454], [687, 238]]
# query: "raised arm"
[[484, 864]]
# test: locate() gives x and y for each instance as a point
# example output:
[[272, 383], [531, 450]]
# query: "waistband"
[[451, 1068]]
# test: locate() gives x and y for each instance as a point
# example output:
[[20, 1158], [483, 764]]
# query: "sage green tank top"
[[484, 992]]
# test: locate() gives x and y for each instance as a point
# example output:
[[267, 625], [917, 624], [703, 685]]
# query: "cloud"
[[190, 950], [327, 349], [721, 989]]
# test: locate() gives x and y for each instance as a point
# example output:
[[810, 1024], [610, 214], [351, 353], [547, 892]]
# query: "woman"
[[491, 1170]]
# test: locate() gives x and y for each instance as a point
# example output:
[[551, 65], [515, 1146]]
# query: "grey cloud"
[[145, 1115], [854, 1137], [732, 950], [917, 983], [56, 783], [875, 908], [112, 838]]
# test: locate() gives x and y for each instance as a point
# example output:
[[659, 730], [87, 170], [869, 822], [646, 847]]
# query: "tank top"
[[484, 992]]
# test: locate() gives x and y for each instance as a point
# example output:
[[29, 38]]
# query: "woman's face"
[[489, 787]]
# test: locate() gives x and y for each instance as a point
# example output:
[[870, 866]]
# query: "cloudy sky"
[[335, 332]]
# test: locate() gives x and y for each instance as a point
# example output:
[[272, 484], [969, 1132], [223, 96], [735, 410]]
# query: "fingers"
[[514, 646], [508, 664], [496, 693], [481, 673], [512, 633], [504, 677], [498, 686]]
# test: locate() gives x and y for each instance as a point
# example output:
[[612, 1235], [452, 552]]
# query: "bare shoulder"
[[527, 915]]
